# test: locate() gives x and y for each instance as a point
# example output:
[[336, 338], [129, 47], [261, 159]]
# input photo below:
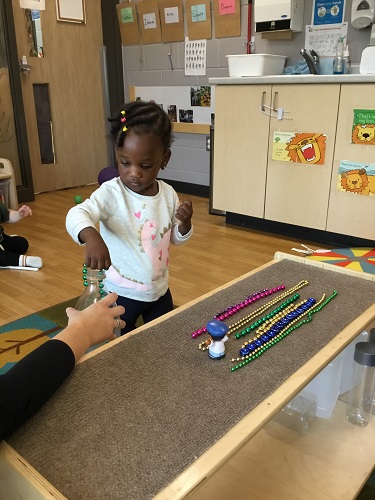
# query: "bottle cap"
[[364, 353]]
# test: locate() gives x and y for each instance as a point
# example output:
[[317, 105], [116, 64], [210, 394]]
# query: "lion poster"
[[356, 178], [308, 148], [363, 131]]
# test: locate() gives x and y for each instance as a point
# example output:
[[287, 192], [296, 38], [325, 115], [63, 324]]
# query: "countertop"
[[279, 79]]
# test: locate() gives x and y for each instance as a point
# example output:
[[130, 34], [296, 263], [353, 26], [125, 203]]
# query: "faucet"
[[312, 60]]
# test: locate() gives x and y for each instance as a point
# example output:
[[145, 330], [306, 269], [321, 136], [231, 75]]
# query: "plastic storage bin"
[[255, 64], [4, 192], [326, 387]]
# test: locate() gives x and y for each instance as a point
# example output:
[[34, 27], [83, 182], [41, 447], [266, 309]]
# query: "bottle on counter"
[[94, 290], [346, 61], [361, 394], [338, 60]]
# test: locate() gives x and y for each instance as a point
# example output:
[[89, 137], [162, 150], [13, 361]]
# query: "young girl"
[[139, 216], [13, 248]]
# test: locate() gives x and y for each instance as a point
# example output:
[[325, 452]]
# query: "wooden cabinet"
[[248, 181], [350, 213], [298, 193], [241, 145]]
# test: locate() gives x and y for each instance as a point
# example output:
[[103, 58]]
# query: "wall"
[[149, 65]]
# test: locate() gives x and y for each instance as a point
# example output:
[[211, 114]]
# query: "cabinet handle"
[[275, 97], [262, 106]]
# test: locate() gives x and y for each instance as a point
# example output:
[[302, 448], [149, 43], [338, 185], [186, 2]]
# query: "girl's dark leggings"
[[148, 310]]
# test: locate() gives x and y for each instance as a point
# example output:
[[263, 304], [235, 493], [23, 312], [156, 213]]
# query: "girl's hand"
[[184, 214], [24, 211], [96, 251]]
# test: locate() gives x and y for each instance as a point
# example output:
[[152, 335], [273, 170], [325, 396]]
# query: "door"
[[350, 212], [297, 193], [241, 145], [13, 137], [63, 95]]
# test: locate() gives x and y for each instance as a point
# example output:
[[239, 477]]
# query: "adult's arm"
[[26, 386]]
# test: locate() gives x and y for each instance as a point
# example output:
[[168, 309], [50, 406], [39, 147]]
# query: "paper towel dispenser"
[[277, 15]]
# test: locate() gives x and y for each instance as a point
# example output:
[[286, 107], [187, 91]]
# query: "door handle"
[[24, 67], [275, 96], [262, 106]]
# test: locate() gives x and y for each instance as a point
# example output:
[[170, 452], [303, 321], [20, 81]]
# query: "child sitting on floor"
[[13, 248]]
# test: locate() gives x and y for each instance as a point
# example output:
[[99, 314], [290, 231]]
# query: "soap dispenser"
[[338, 61]]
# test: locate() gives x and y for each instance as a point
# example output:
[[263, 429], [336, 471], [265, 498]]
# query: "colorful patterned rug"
[[356, 258], [22, 336]]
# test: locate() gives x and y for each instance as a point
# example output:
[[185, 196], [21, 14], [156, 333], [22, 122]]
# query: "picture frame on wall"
[[72, 11]]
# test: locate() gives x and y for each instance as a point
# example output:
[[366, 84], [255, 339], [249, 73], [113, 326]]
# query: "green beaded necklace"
[[309, 317]]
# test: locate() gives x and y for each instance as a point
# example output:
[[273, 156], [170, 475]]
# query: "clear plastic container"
[[338, 62], [361, 395], [95, 290], [297, 415]]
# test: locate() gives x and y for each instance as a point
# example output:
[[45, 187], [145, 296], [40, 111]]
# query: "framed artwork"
[[72, 11]]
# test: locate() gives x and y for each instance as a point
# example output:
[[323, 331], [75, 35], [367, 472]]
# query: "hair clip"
[[125, 129]]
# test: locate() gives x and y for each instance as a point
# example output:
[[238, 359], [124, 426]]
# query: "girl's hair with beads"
[[141, 118]]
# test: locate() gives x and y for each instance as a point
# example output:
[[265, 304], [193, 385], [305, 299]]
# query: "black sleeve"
[[26, 386]]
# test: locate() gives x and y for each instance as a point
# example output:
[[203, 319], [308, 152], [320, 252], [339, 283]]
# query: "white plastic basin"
[[255, 65]]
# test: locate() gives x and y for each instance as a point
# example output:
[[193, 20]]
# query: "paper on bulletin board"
[[227, 18], [172, 20], [149, 21], [328, 12], [307, 148], [127, 18], [195, 57], [33, 4], [198, 14], [356, 178], [182, 103], [363, 131], [323, 39]]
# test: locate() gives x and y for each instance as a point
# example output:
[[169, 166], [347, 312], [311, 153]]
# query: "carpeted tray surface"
[[131, 419]]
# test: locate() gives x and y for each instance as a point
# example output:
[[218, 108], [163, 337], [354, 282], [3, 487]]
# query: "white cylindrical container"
[[361, 396]]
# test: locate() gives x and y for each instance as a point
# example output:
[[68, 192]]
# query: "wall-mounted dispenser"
[[363, 13], [278, 15]]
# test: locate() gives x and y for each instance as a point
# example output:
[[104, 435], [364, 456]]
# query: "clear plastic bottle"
[[297, 414], [338, 60], [346, 61], [94, 291], [361, 394]]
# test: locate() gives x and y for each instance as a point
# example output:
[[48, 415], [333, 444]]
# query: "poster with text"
[[356, 178], [328, 12], [305, 147], [363, 131]]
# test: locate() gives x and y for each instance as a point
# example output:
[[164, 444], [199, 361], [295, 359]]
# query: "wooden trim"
[[33, 481], [191, 128]]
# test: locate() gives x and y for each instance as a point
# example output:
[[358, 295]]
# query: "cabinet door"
[[240, 148], [350, 213], [298, 193]]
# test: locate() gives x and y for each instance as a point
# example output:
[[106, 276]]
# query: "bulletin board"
[[191, 108], [227, 18], [172, 20], [127, 18], [198, 14], [149, 21]]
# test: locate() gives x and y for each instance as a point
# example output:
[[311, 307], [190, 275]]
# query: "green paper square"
[[127, 15], [198, 13]]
